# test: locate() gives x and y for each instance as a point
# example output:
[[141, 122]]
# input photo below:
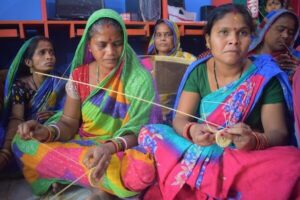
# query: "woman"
[[97, 124], [276, 35], [165, 41], [29, 95], [240, 101]]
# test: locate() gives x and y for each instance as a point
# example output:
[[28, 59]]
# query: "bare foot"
[[100, 195]]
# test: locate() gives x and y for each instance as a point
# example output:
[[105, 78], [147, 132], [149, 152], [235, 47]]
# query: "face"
[[280, 34], [273, 5], [106, 46], [163, 39], [43, 59], [229, 39]]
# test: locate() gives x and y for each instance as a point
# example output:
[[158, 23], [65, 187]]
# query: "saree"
[[211, 172], [106, 113], [176, 51], [49, 97], [296, 99]]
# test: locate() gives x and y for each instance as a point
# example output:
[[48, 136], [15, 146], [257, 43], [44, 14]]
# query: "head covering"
[[176, 37], [265, 25], [127, 77]]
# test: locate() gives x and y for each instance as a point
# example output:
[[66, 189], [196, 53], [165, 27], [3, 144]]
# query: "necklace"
[[215, 74], [34, 83], [97, 71]]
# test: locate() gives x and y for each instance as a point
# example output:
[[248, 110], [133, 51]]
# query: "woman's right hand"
[[203, 134], [33, 130]]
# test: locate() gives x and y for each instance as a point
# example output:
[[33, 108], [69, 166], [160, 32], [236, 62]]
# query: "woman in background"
[[29, 95], [165, 41], [276, 35]]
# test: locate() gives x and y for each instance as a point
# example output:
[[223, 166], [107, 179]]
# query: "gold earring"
[[31, 70]]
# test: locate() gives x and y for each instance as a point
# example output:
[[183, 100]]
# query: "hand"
[[98, 157], [287, 62], [33, 129], [44, 115], [4, 159], [203, 134], [242, 136]]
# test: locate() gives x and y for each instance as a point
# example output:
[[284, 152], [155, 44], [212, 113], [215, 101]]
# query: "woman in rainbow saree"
[[98, 124], [247, 111], [276, 35], [166, 41], [28, 95]]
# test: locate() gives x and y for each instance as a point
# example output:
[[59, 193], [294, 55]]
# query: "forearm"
[[11, 131], [277, 138], [66, 128], [179, 123]]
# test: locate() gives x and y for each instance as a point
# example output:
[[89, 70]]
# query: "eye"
[[244, 33], [223, 32], [158, 35], [118, 43], [101, 45]]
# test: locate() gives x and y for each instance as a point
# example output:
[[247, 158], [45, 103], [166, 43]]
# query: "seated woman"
[[29, 95], [276, 35], [100, 119], [165, 41], [236, 148]]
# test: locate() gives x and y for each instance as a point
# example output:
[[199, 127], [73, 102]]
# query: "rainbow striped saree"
[[197, 172], [105, 114]]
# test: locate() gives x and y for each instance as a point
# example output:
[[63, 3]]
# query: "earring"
[[207, 46], [31, 70]]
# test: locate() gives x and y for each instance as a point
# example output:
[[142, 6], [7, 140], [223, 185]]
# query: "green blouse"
[[198, 82]]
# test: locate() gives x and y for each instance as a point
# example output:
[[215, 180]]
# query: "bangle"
[[6, 154], [125, 145], [186, 130], [49, 138], [261, 141], [114, 143], [57, 132]]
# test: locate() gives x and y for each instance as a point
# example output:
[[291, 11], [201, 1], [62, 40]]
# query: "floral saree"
[[203, 172]]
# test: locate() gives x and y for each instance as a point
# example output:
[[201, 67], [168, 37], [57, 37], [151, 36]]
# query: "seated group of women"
[[233, 132]]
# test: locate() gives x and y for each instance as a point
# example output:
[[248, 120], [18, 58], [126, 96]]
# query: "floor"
[[19, 189]]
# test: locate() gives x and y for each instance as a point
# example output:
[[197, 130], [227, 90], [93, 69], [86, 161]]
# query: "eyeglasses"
[[163, 35]]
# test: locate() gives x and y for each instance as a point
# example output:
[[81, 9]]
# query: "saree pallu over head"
[[107, 114], [265, 25], [221, 173], [176, 51], [49, 97]]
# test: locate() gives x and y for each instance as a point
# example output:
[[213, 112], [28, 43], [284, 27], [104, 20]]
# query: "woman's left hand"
[[242, 136], [98, 158]]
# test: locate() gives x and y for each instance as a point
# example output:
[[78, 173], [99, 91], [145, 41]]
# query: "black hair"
[[282, 2], [101, 22], [28, 54], [219, 12]]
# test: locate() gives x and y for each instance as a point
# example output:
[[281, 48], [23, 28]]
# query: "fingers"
[[101, 167], [25, 128]]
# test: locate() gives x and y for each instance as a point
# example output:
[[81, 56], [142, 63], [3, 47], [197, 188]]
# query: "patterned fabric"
[[21, 94], [225, 173], [176, 51], [296, 98], [105, 115]]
